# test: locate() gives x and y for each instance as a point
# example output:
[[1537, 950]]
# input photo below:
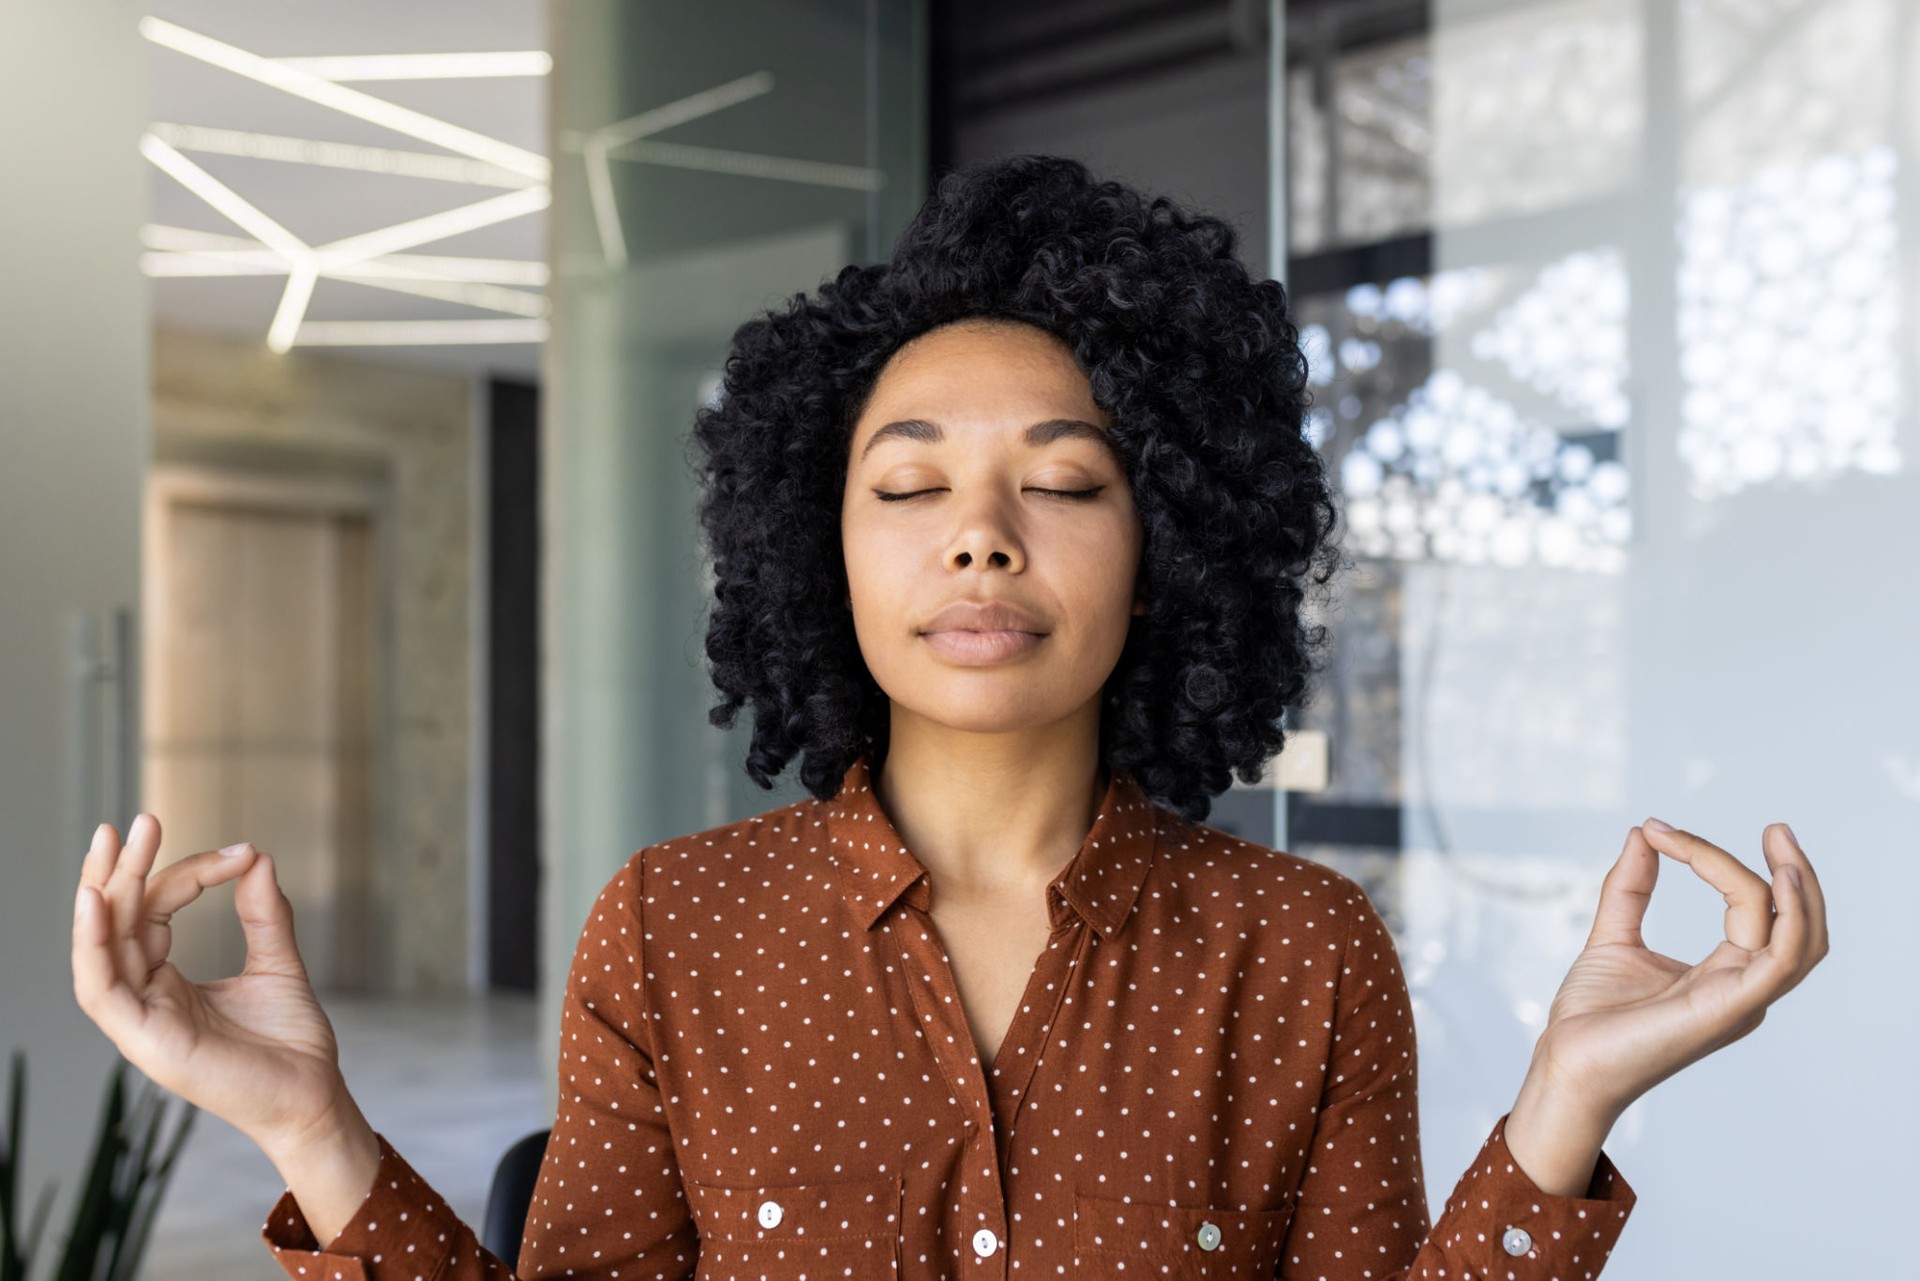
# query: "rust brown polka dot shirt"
[[765, 1072]]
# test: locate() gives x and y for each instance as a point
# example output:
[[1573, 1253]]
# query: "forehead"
[[972, 375]]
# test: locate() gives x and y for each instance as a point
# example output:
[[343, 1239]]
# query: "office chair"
[[510, 1197]]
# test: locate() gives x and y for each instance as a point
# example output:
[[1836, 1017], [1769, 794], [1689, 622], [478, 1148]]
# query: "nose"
[[986, 536]]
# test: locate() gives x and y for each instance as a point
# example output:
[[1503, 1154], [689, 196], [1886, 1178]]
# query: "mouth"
[[977, 648]]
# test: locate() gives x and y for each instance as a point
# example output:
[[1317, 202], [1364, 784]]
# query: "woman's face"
[[989, 426]]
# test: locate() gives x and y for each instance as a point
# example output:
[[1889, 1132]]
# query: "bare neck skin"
[[992, 815]]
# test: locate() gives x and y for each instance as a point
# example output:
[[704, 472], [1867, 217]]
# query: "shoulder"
[[783, 834], [1216, 862], [729, 856]]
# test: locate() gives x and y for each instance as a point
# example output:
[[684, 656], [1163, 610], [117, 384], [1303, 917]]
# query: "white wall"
[[74, 322]]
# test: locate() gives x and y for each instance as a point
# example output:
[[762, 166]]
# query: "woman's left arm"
[[1627, 1018]]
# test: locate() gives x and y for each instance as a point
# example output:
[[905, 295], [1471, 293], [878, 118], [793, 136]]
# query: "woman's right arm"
[[256, 1050]]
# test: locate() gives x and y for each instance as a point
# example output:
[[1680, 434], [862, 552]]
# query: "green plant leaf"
[[126, 1262], [93, 1209], [41, 1213], [13, 1264]]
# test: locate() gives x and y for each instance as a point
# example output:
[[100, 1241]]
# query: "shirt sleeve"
[[1362, 1210], [608, 1201]]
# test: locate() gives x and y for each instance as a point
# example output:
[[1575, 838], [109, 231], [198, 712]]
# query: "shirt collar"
[[1099, 884]]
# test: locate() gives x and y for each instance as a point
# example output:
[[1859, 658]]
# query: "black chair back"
[[511, 1197]]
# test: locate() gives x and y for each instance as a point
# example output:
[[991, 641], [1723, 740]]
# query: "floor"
[[450, 1083]]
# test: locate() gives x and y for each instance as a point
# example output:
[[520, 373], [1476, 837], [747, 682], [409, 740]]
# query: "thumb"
[[266, 916], [1625, 893]]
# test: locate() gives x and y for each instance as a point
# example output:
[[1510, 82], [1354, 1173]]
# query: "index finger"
[[98, 985], [1749, 916], [100, 856]]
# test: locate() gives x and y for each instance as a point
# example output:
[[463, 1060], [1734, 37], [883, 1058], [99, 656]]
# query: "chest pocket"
[[1142, 1238], [799, 1231]]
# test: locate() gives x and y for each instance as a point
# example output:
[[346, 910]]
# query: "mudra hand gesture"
[[1627, 1017], [254, 1049]]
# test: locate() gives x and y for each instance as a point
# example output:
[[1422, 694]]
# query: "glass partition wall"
[[1610, 309], [709, 161]]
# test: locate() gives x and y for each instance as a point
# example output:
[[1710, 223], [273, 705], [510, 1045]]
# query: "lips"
[[984, 616], [976, 648]]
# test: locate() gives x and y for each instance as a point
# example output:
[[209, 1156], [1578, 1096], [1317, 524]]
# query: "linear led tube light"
[[352, 102], [449, 222], [336, 155], [293, 305], [241, 249], [750, 164], [223, 198], [514, 302], [202, 264], [390, 333], [424, 66]]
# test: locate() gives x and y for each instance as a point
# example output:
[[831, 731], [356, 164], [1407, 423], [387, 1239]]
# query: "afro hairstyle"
[[1199, 367]]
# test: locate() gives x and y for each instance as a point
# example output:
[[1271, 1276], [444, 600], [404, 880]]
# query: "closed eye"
[[883, 496]]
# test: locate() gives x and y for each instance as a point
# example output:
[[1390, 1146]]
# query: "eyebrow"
[[1040, 433]]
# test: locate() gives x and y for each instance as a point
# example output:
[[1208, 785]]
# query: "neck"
[[991, 814]]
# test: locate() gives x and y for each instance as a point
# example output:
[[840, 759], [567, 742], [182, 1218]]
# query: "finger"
[[180, 883], [1786, 958], [125, 895], [1749, 918], [1783, 847], [97, 983], [126, 887], [100, 855], [1625, 893], [266, 917]]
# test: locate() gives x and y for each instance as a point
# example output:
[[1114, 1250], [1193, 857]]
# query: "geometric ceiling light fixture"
[[370, 258], [290, 78], [337, 259]]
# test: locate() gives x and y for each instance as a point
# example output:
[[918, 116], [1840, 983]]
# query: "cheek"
[[875, 563]]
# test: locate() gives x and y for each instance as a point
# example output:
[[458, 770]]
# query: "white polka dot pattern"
[[766, 1072]]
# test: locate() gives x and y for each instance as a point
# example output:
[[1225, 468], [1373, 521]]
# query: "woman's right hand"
[[254, 1049]]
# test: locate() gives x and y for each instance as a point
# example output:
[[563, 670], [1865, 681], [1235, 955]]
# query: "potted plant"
[[119, 1197]]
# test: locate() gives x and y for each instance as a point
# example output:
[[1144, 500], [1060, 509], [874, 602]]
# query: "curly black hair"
[[1200, 368]]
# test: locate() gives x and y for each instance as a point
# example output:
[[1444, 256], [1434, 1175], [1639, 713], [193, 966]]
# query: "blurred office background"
[[344, 399]]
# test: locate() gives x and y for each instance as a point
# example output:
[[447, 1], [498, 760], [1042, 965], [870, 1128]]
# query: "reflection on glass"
[[1358, 139], [1450, 469], [1534, 107]]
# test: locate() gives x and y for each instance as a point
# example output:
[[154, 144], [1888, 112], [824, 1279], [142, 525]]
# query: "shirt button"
[[1516, 1241], [769, 1214], [985, 1243], [1209, 1237]]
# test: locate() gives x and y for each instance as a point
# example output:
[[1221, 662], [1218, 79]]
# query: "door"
[[259, 714]]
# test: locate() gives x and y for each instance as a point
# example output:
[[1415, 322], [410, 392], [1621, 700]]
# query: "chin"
[[982, 701]]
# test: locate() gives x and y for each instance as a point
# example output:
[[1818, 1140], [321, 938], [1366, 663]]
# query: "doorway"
[[259, 713]]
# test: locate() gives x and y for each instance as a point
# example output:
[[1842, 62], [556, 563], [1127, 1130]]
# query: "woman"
[[1011, 535]]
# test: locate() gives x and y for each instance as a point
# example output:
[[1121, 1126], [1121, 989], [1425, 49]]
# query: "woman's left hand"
[[1626, 1017]]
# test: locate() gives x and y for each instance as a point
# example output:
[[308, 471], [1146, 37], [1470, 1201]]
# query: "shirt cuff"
[[401, 1232], [1532, 1233]]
